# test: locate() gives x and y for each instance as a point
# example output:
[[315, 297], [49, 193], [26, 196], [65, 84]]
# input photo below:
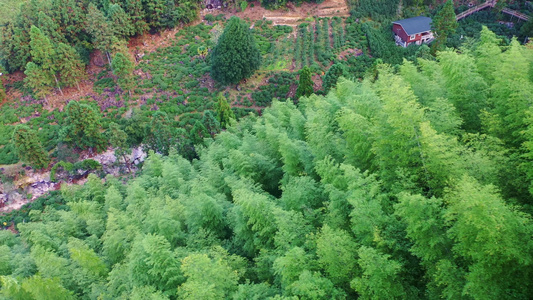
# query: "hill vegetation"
[[402, 173], [409, 184]]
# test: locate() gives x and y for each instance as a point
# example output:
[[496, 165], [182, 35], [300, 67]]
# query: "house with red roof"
[[415, 30]]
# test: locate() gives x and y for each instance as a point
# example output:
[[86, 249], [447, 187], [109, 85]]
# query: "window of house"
[[413, 37]]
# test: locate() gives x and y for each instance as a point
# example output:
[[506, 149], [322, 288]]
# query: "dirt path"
[[291, 16]]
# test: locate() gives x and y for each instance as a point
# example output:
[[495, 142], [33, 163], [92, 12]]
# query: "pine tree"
[[236, 55], [29, 147], [305, 83], [136, 11], [83, 127], [154, 12], [43, 53], [123, 68], [224, 112], [101, 31], [70, 66], [444, 25], [71, 17], [38, 79], [50, 28], [198, 133], [120, 20], [10, 47]]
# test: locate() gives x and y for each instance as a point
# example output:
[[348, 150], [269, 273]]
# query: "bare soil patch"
[[291, 15], [350, 52]]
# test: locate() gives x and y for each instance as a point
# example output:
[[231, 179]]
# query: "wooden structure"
[[491, 4], [415, 30]]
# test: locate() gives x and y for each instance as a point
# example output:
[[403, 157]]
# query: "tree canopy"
[[377, 190], [236, 56]]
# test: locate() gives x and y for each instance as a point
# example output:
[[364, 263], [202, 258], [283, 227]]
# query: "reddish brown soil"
[[291, 15]]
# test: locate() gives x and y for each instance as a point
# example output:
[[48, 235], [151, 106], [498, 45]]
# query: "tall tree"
[[123, 68], [50, 28], [207, 278], [224, 112], [465, 88], [198, 133], [38, 79], [71, 17], [120, 20], [491, 236], [101, 30], [136, 11], [83, 127], [70, 66], [155, 10], [236, 55], [13, 47], [444, 25], [43, 53], [29, 147], [305, 83]]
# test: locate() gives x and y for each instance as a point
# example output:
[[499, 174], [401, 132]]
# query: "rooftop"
[[415, 25]]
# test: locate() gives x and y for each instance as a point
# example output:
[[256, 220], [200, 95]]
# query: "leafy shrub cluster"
[[278, 87]]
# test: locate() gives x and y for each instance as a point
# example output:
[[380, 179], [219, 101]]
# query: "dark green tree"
[[136, 11], [305, 83], [527, 29], [29, 147], [50, 28], [198, 133], [187, 11], [332, 76], [155, 10], [43, 53], [101, 30], [14, 48], [121, 21], [70, 15], [38, 79], [224, 112], [70, 66], [83, 127], [444, 25], [211, 123], [123, 69], [236, 55]]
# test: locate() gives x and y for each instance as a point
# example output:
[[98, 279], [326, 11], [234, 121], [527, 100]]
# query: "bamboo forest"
[[272, 149]]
